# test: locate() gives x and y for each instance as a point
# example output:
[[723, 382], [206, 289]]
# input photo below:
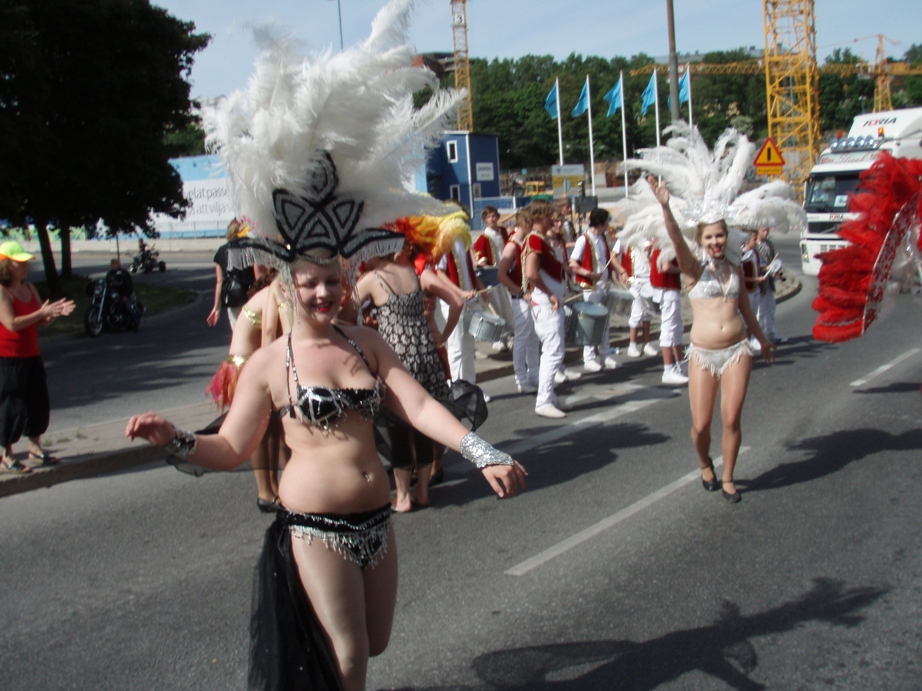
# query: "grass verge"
[[156, 299]]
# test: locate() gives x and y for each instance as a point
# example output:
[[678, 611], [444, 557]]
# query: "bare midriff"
[[335, 471], [716, 323]]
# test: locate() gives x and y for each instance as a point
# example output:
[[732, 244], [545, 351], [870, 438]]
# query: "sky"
[[513, 28]]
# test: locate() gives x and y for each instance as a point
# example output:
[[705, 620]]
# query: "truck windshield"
[[829, 193]]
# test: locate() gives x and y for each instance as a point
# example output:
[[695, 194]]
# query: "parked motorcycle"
[[146, 260], [115, 306]]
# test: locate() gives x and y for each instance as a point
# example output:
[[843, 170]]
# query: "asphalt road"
[[615, 570]]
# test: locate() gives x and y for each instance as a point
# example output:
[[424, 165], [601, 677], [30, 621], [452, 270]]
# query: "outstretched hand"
[[58, 308], [505, 480], [659, 190], [152, 427]]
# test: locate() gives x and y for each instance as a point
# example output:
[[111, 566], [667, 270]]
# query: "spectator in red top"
[[24, 404]]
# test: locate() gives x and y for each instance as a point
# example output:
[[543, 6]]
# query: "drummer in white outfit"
[[486, 251], [593, 266], [525, 344], [547, 275], [637, 264], [666, 279], [457, 267]]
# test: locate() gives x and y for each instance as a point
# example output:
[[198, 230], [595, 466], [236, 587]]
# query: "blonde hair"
[[701, 226]]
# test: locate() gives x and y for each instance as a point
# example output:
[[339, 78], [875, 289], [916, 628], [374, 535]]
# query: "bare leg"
[[354, 607], [633, 334], [734, 382], [702, 395], [646, 332], [35, 445], [421, 495], [403, 477]]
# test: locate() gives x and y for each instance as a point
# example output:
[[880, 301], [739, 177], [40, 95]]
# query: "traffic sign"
[[769, 160]]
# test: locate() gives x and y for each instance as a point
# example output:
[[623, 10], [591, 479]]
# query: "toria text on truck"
[[835, 176]]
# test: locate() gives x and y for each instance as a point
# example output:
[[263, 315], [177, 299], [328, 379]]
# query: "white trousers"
[[525, 345], [549, 325], [460, 347], [671, 328], [641, 308], [599, 352]]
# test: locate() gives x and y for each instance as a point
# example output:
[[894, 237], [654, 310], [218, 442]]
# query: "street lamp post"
[[673, 63], [339, 9]]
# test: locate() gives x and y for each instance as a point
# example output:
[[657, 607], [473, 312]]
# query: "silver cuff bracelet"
[[481, 453], [183, 444]]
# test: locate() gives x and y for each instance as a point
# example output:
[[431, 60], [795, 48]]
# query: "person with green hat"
[[24, 403]]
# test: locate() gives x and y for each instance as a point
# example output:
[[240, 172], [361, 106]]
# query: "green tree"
[[106, 83], [842, 98]]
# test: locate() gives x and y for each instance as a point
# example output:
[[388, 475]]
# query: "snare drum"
[[587, 324], [619, 302], [486, 327]]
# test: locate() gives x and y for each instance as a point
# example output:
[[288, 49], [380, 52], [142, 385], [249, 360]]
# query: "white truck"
[[835, 175]]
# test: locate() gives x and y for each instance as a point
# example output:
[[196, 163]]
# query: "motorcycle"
[[111, 308], [146, 261]]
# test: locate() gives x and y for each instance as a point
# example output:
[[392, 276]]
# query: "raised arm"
[[688, 263]]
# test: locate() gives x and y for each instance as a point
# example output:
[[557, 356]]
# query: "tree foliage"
[[508, 100], [91, 88]]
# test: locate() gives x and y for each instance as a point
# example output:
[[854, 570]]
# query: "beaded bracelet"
[[481, 453], [183, 444]]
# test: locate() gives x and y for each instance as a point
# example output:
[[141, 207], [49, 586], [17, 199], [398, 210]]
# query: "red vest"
[[483, 248], [664, 279], [454, 271], [548, 260], [751, 271], [515, 266], [586, 262]]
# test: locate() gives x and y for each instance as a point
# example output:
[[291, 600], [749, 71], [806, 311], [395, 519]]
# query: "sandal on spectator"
[[42, 458], [11, 465]]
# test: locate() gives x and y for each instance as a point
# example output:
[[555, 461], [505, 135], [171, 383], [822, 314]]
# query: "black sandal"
[[711, 485], [11, 465]]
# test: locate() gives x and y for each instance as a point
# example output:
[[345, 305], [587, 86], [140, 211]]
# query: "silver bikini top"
[[709, 284]]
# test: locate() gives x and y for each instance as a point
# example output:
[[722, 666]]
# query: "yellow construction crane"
[[462, 63]]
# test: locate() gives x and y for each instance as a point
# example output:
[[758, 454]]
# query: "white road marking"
[[883, 368], [606, 523]]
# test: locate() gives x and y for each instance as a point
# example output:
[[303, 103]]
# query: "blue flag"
[[648, 95], [582, 105], [614, 99], [683, 91], [550, 104]]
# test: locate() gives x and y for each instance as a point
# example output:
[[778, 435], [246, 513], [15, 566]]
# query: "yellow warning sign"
[[769, 160]]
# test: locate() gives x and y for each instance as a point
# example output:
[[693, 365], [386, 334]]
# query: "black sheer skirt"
[[287, 649]]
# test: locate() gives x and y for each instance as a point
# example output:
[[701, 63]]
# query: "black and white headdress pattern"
[[321, 147]]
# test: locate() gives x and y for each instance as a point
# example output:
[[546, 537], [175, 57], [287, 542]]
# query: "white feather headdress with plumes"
[[704, 187], [327, 143]]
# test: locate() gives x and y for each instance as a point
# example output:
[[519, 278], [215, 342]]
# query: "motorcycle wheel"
[[133, 268], [92, 322], [161, 266]]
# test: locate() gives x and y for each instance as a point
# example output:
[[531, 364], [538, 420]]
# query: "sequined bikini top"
[[323, 407], [709, 284]]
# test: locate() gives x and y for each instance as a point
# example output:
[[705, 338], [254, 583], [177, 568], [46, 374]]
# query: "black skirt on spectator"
[[24, 405]]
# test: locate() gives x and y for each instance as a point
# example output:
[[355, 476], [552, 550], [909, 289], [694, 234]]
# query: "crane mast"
[[462, 63]]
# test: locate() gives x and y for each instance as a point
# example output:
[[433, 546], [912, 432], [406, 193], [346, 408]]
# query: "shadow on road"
[[721, 650], [830, 454]]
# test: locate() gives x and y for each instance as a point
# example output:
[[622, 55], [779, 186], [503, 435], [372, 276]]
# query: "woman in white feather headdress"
[[318, 150], [719, 358]]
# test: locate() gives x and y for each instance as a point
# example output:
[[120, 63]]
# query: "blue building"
[[465, 167]]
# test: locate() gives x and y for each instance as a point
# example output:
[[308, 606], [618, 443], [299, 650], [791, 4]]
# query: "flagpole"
[[559, 120], [623, 130], [656, 105], [591, 143], [691, 122]]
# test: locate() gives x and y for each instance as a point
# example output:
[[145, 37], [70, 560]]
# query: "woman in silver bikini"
[[334, 529], [719, 355]]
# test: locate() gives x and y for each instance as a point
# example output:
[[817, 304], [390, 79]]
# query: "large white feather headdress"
[[320, 148], [704, 187]]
